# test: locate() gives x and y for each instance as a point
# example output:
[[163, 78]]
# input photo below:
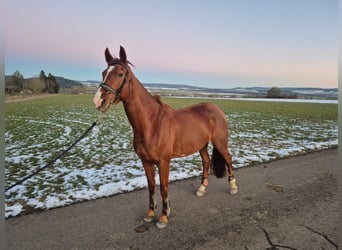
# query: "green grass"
[[45, 107], [311, 111], [37, 130], [39, 125]]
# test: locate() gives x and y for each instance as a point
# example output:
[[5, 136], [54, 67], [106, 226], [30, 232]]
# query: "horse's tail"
[[218, 164]]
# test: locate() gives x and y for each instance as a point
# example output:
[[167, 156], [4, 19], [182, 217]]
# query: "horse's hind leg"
[[206, 163], [221, 146], [231, 178]]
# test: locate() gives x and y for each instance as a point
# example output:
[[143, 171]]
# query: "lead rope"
[[57, 157]]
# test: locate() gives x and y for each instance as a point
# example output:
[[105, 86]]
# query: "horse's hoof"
[[233, 191], [200, 192], [161, 225], [162, 222], [148, 218]]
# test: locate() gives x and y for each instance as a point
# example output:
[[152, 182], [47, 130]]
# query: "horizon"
[[222, 45], [192, 85]]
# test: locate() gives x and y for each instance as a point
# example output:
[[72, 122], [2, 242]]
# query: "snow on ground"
[[104, 163], [264, 99]]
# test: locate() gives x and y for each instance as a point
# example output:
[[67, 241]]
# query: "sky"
[[207, 43]]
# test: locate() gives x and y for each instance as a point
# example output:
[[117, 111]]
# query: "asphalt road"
[[285, 204]]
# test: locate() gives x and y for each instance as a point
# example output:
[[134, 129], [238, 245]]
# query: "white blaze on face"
[[110, 69], [97, 98]]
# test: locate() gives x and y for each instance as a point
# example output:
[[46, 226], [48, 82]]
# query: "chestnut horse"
[[162, 133]]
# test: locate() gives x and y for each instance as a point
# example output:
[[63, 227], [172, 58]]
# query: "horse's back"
[[202, 111]]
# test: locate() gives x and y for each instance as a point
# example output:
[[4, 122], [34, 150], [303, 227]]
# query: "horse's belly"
[[153, 152], [188, 145]]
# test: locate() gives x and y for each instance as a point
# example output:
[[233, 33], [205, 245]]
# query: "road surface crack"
[[321, 234], [274, 246]]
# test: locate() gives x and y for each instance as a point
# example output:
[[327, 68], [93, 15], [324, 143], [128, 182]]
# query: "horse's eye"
[[120, 74]]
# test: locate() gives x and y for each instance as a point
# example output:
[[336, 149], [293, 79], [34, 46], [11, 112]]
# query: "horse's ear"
[[108, 56], [123, 56]]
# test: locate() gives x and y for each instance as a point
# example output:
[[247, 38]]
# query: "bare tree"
[[36, 85]]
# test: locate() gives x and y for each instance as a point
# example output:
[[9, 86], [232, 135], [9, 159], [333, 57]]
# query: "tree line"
[[17, 84], [275, 92]]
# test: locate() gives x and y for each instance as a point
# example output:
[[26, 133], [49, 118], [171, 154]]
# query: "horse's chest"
[[148, 151], [142, 153]]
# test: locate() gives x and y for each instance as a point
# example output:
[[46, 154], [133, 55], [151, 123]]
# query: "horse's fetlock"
[[166, 208], [205, 182]]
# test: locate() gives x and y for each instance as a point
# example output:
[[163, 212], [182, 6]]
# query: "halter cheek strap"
[[115, 92]]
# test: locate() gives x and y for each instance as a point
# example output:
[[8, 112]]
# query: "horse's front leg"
[[164, 169], [150, 173]]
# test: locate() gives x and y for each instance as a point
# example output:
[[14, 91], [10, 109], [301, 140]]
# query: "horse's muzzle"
[[103, 107]]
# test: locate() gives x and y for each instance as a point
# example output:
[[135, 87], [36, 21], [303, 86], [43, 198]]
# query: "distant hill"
[[306, 93], [67, 83], [254, 92], [90, 83], [189, 90], [63, 82]]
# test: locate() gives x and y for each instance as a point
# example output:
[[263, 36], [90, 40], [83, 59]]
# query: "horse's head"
[[114, 78]]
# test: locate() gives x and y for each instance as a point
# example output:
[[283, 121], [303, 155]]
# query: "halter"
[[115, 92]]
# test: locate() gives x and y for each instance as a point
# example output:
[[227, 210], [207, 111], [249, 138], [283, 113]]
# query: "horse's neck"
[[140, 107]]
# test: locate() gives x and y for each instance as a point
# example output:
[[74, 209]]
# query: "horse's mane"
[[157, 98], [117, 60], [162, 104]]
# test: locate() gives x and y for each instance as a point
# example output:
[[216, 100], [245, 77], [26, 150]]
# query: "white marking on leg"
[[168, 209], [233, 187], [201, 190]]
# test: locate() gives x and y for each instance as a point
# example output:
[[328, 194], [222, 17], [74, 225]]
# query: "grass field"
[[104, 163]]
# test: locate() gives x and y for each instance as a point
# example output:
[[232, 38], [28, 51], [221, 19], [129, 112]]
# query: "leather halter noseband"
[[115, 92]]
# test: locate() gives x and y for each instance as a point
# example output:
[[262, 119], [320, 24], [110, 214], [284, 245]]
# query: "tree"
[[274, 92], [52, 85], [42, 76], [18, 81], [36, 85], [56, 87]]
